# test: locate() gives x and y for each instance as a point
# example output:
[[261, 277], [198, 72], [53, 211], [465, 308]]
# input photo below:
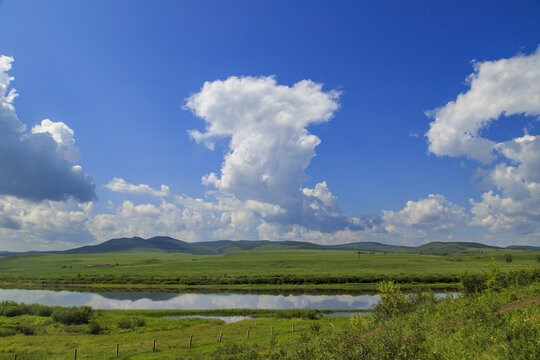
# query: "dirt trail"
[[509, 307]]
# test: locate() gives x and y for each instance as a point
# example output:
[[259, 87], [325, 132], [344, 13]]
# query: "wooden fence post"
[[247, 335], [154, 346], [117, 346], [272, 332], [190, 340], [220, 336], [15, 357], [75, 354], [292, 327]]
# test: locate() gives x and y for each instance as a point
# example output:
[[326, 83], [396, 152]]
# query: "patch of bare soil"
[[509, 307]]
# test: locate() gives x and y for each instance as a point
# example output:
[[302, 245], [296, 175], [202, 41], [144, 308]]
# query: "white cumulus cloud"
[[497, 88], [120, 185], [269, 146], [63, 135], [501, 87], [47, 225], [435, 213]]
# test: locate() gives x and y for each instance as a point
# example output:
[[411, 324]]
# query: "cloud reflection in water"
[[189, 301]]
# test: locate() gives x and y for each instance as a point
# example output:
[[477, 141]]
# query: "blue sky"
[[119, 75]]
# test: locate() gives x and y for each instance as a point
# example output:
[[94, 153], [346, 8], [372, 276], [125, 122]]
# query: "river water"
[[189, 301]]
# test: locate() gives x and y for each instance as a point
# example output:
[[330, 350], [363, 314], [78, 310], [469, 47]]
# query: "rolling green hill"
[[169, 245]]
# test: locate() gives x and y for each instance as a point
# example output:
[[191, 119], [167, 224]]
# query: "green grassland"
[[259, 269], [500, 322], [48, 339]]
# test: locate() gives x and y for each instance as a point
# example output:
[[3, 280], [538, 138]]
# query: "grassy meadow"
[[42, 337], [501, 321], [283, 269]]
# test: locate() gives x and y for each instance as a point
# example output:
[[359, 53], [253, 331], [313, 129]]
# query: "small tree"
[[508, 258], [495, 276], [392, 301]]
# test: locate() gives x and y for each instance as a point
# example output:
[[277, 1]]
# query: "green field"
[[500, 322], [52, 340], [283, 269]]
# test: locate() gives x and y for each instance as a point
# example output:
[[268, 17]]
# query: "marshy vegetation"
[[497, 316], [284, 269]]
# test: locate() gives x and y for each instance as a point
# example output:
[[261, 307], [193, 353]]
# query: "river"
[[189, 301]]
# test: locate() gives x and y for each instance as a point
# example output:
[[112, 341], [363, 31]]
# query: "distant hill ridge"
[[171, 245]]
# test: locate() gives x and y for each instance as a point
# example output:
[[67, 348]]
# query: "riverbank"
[[498, 322], [270, 289]]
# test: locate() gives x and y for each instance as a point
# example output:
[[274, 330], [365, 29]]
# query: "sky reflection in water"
[[128, 301]]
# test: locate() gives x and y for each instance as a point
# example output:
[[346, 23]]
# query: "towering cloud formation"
[[258, 193], [269, 145], [40, 162]]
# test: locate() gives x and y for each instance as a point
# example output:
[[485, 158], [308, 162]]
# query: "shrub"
[[508, 258], [391, 302], [73, 315], [11, 308], [40, 310], [473, 283], [96, 327], [130, 323], [14, 329], [139, 321], [495, 278], [24, 329], [421, 296], [124, 323], [315, 327]]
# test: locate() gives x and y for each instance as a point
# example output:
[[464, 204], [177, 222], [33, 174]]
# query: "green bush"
[[24, 329], [130, 323], [315, 327], [41, 310], [96, 327], [73, 315], [12, 308], [496, 280], [420, 296], [139, 321], [14, 329], [392, 301], [473, 283], [124, 323]]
